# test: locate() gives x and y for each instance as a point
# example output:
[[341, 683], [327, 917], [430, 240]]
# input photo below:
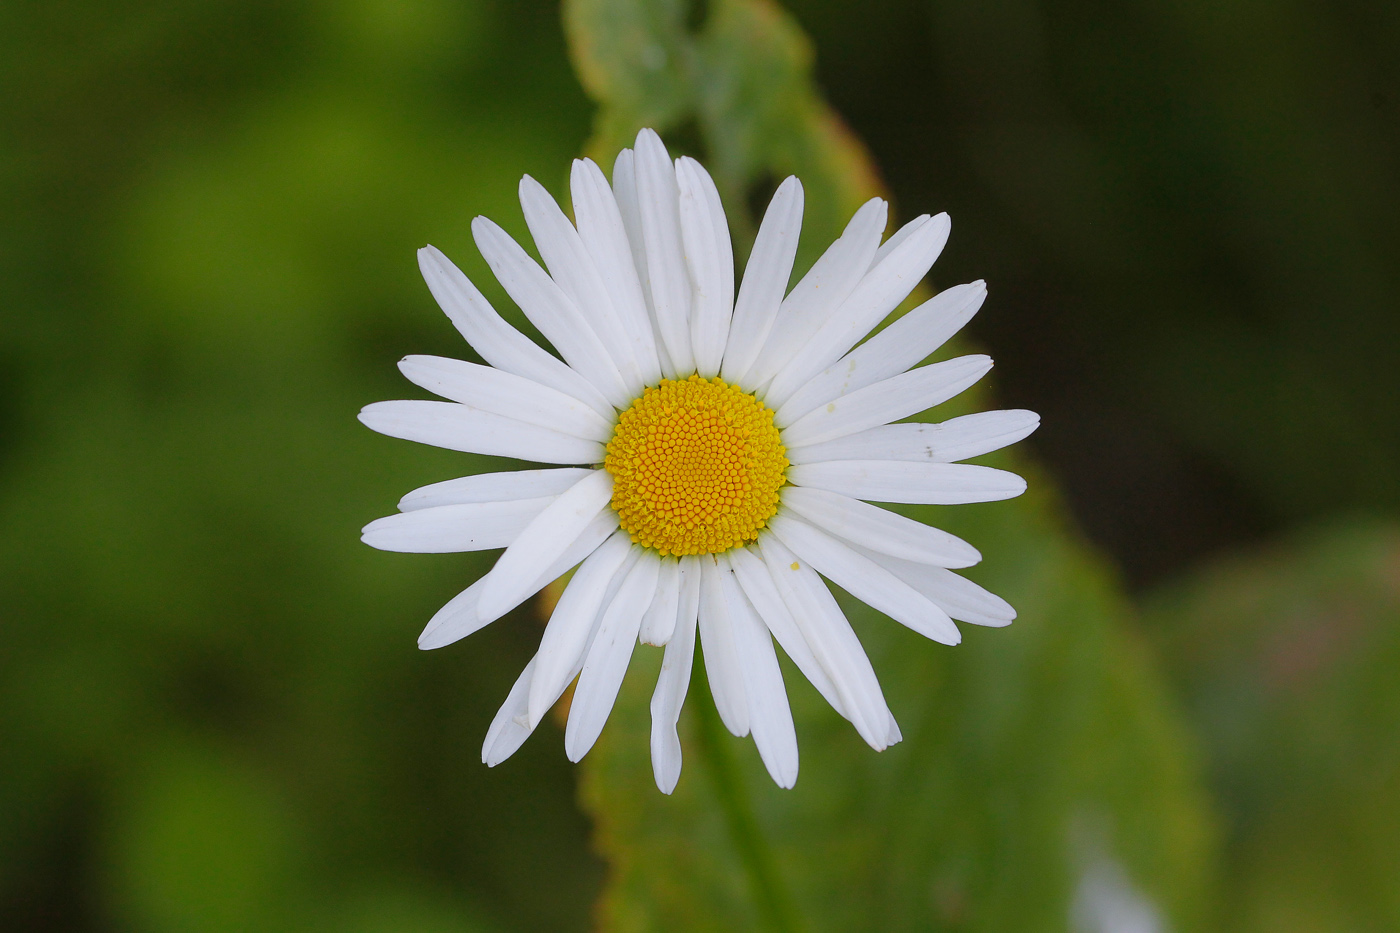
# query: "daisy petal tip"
[[667, 776], [894, 736], [433, 637]]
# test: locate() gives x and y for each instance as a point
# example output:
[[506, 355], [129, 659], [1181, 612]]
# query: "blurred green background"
[[212, 712]]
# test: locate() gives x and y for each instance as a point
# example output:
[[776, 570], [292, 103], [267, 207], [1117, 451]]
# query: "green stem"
[[774, 903]]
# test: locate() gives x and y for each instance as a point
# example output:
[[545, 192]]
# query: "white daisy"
[[717, 450]]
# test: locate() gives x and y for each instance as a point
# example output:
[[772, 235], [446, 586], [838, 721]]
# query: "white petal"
[[628, 205], [573, 620], [896, 238], [550, 310], [833, 642], [457, 427], [572, 269], [510, 728], [894, 398], [544, 539], [945, 442], [674, 680], [864, 579], [879, 529], [660, 620], [759, 587], [721, 654], [460, 618], [499, 344], [710, 258], [474, 526], [658, 202], [770, 717], [765, 280], [902, 345], [956, 595], [506, 394], [879, 293], [493, 487], [905, 481], [821, 291], [607, 659], [604, 235]]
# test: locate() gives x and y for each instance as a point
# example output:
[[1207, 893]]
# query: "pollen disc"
[[697, 465]]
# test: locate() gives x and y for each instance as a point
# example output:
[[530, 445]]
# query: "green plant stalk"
[[775, 905]]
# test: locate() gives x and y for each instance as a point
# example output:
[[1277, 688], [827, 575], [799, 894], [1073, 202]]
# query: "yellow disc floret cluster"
[[696, 466]]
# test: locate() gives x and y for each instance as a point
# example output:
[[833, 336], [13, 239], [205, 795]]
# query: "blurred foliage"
[[1031, 754], [1287, 661], [212, 713]]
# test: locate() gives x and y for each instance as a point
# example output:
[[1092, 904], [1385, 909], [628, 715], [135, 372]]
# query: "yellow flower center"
[[696, 466]]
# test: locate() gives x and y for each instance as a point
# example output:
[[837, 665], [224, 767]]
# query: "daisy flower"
[[714, 453]]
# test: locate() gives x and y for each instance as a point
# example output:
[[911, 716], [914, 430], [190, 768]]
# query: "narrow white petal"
[[660, 620], [506, 394], [513, 723], [550, 310], [688, 606], [510, 728], [765, 280], [762, 592], [544, 539], [864, 579], [821, 291], [894, 398], [902, 345], [956, 595], [604, 235], [770, 717], [460, 618], [945, 442], [674, 680], [777, 615], [624, 187], [458, 427], [907, 481], [572, 622], [722, 663], [879, 529], [709, 256], [658, 202], [879, 293], [896, 238], [607, 659], [834, 644], [474, 526], [499, 344], [493, 487], [572, 269]]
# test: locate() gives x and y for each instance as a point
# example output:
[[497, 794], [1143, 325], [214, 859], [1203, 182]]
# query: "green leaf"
[[1287, 660], [1040, 763]]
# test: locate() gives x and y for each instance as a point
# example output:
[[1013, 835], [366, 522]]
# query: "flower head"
[[715, 453]]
